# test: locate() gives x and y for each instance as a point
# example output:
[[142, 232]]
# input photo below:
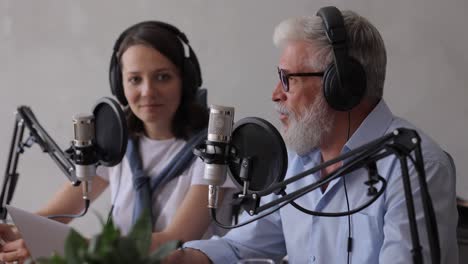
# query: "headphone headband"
[[344, 81], [336, 33], [334, 24]]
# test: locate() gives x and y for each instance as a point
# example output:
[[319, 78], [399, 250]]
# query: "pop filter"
[[111, 131], [257, 139]]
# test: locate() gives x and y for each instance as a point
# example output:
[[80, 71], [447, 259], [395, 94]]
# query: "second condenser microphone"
[[84, 150], [217, 144]]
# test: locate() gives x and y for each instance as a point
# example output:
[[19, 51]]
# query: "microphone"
[[217, 149], [84, 151], [99, 139], [252, 149]]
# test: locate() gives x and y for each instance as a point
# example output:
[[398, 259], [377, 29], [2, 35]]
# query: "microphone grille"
[[220, 123], [83, 127]]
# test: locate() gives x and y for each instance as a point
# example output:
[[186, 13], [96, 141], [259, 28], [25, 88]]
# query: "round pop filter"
[[258, 139], [111, 131]]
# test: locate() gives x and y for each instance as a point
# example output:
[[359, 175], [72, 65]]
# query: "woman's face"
[[152, 85]]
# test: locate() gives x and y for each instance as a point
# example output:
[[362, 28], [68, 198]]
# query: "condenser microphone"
[[99, 138], [217, 146], [83, 144]]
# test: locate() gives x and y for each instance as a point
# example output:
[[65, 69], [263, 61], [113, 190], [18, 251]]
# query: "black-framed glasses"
[[284, 77]]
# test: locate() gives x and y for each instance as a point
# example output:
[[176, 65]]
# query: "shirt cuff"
[[217, 250]]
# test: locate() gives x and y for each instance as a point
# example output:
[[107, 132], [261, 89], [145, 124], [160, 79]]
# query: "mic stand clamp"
[[249, 201], [244, 174], [373, 179]]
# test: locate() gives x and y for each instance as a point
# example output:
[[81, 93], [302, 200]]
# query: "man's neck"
[[346, 123]]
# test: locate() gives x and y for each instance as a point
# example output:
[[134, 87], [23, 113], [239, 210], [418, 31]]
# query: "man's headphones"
[[191, 73], [344, 80]]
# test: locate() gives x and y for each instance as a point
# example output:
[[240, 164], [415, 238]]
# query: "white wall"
[[54, 58]]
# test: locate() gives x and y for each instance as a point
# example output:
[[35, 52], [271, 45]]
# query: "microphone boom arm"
[[25, 118], [48, 144], [401, 143]]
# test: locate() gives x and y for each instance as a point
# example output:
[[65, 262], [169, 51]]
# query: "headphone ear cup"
[[355, 83], [191, 77], [330, 83], [115, 79], [349, 96]]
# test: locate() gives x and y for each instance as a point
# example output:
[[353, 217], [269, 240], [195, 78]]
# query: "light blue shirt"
[[380, 232]]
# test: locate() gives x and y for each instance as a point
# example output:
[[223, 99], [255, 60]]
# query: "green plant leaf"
[[110, 247], [106, 241], [141, 233], [75, 245], [164, 250], [129, 252]]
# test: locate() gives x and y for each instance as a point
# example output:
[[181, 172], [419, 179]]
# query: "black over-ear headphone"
[[344, 80], [191, 76]]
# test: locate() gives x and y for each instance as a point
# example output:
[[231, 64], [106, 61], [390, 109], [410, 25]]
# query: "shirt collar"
[[374, 126], [312, 158]]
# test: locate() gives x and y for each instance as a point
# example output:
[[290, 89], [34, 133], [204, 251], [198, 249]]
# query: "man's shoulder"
[[431, 150]]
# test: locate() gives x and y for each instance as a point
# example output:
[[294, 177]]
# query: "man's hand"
[[187, 255]]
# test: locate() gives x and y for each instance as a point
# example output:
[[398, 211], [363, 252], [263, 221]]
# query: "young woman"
[[155, 74]]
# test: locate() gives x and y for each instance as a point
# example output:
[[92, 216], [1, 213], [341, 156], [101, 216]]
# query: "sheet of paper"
[[42, 235]]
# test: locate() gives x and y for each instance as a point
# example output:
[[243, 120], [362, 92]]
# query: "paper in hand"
[[41, 235]]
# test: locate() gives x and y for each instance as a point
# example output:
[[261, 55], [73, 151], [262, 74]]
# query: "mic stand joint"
[[249, 202], [245, 175]]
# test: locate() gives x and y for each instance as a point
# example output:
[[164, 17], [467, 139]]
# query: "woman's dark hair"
[[190, 116]]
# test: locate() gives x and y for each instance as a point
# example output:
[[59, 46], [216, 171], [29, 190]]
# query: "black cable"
[[348, 167], [350, 239], [109, 215], [339, 214], [87, 202], [213, 216]]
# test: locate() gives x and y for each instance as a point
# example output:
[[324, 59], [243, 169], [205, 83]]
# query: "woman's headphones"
[[191, 73], [344, 80]]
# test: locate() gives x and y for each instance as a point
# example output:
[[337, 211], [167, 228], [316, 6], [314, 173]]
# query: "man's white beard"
[[307, 131]]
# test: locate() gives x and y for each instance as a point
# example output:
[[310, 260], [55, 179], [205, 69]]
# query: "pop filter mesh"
[[111, 131], [256, 138]]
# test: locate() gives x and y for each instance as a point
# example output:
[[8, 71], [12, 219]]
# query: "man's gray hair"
[[364, 43]]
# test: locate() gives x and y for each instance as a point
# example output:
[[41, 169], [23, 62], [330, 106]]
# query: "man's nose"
[[278, 93]]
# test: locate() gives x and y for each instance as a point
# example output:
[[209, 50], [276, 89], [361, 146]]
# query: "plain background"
[[54, 57]]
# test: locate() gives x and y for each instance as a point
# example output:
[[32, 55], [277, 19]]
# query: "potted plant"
[[111, 247]]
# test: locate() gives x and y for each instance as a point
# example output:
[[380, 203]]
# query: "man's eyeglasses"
[[284, 77]]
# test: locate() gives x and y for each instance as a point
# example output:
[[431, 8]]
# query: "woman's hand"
[[13, 248], [8, 232], [14, 251]]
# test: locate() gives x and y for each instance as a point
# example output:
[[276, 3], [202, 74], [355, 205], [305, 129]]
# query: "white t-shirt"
[[155, 155]]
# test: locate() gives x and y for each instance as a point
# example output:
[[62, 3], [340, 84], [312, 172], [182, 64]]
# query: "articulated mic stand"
[[25, 117], [403, 143]]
